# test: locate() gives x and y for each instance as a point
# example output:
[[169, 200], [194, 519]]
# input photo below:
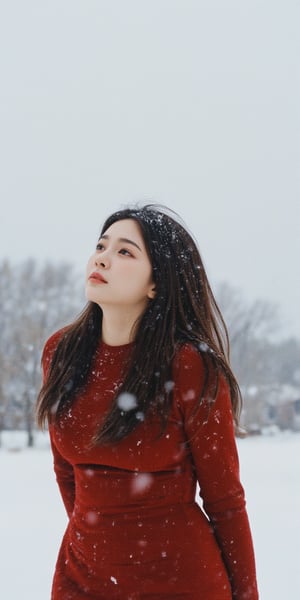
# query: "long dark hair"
[[183, 310]]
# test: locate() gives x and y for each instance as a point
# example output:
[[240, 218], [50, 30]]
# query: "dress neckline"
[[115, 349]]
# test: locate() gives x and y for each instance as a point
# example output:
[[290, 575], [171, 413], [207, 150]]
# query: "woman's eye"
[[125, 252], [122, 251]]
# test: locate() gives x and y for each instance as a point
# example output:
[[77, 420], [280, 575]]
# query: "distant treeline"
[[35, 300]]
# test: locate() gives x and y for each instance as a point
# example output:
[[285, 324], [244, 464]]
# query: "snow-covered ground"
[[32, 518]]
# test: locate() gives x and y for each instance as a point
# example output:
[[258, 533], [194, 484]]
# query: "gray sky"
[[192, 104]]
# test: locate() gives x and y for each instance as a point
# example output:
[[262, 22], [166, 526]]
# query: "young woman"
[[142, 406]]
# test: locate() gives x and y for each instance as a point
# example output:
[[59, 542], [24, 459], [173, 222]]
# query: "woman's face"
[[119, 273]]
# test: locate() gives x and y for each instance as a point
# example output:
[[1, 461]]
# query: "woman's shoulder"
[[195, 364], [188, 364], [188, 356], [199, 381], [51, 345], [54, 338]]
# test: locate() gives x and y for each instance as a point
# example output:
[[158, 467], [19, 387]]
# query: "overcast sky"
[[192, 104]]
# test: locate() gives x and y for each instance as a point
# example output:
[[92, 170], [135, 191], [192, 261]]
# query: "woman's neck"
[[118, 327]]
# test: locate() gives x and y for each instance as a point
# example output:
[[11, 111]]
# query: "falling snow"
[[126, 401], [141, 482]]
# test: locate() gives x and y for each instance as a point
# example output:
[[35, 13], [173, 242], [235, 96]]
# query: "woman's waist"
[[112, 490], [143, 538]]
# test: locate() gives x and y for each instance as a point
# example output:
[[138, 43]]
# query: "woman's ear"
[[152, 292]]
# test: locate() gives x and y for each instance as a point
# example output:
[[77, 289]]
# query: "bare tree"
[[41, 299], [260, 362]]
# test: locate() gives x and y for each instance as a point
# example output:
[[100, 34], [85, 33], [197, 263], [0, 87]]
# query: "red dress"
[[135, 531]]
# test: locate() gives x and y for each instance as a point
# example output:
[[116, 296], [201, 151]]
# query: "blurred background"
[[191, 104]]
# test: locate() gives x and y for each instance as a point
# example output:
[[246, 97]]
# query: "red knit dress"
[[135, 531]]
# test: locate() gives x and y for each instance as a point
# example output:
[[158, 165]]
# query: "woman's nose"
[[102, 260]]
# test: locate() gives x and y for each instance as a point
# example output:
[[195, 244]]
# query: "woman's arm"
[[210, 434], [63, 469], [65, 478]]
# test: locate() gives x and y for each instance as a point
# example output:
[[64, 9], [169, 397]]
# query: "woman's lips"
[[97, 277]]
